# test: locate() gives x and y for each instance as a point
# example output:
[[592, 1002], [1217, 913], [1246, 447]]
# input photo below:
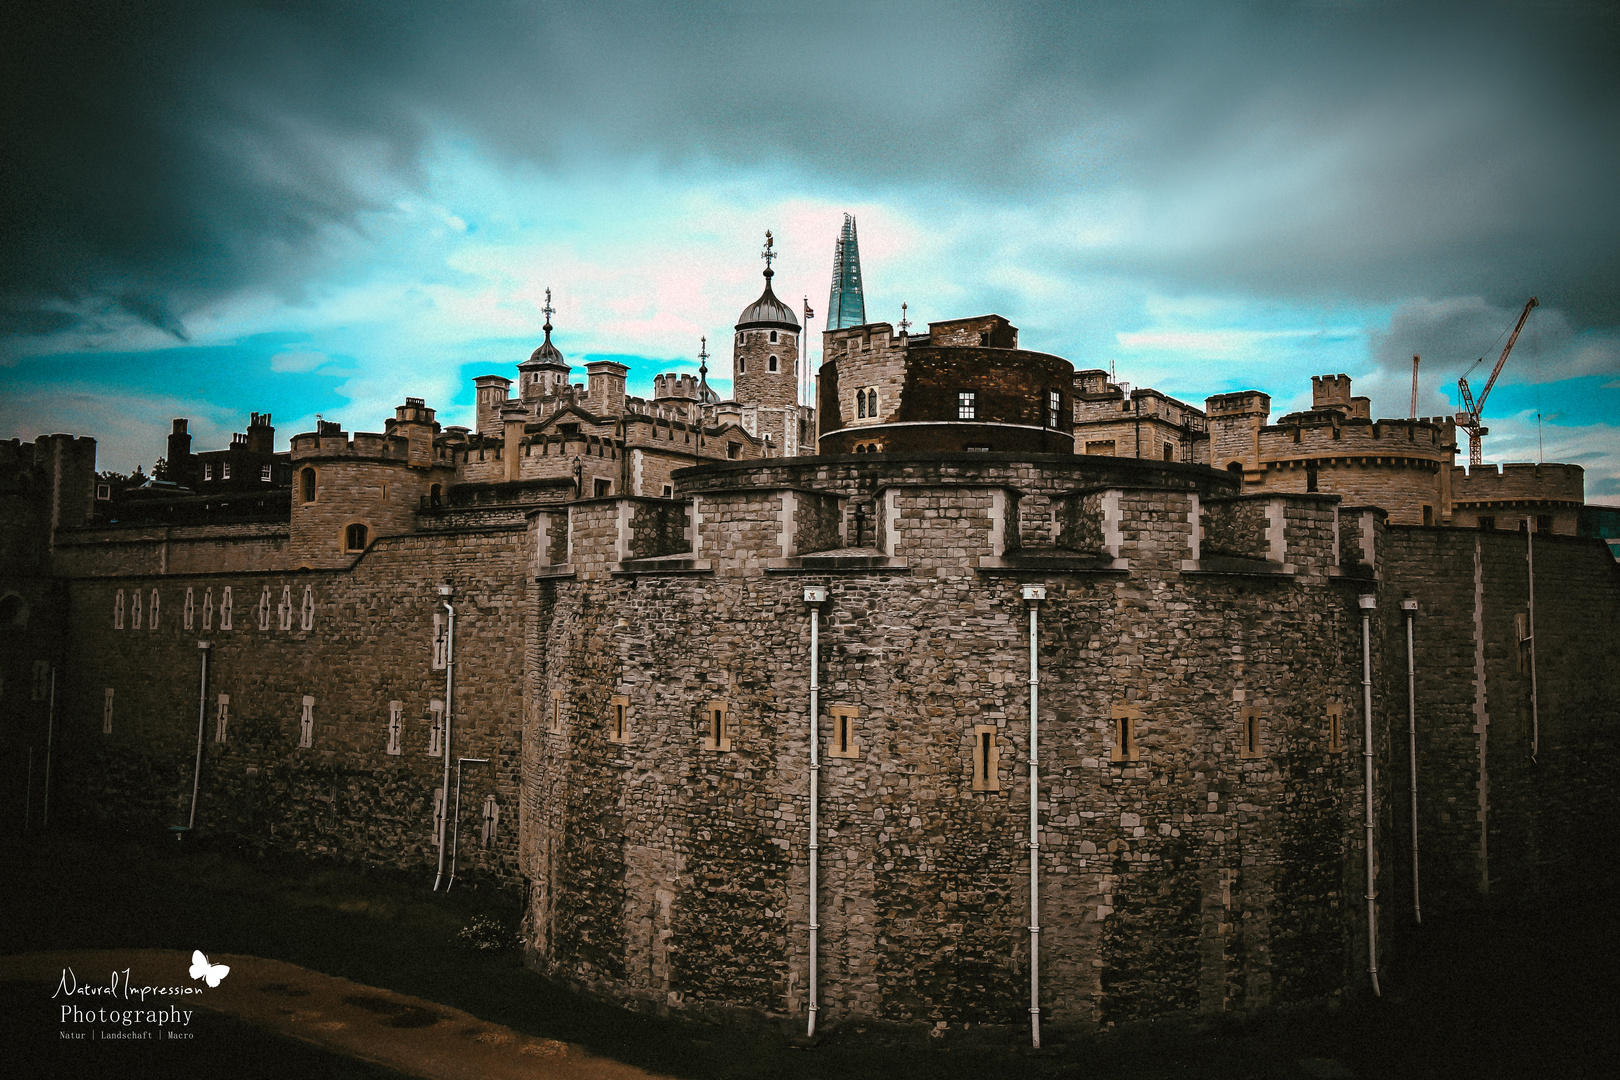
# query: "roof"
[[547, 353], [768, 310]]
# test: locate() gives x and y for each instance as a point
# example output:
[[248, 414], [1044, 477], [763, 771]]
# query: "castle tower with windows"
[[765, 366]]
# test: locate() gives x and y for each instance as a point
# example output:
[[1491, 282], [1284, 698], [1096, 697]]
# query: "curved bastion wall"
[[1200, 756]]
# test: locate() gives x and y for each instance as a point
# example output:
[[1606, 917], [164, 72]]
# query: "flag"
[[808, 314]]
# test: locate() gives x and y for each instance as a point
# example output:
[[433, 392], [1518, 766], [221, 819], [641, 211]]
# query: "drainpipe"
[[449, 688], [456, 832], [1368, 603], [1535, 712], [815, 597], [1409, 605], [202, 715], [50, 731], [1033, 595]]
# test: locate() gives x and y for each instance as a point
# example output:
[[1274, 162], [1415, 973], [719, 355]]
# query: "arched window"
[[773, 337], [354, 537], [860, 405], [871, 403], [742, 364], [436, 496], [771, 364], [1235, 467], [306, 483]]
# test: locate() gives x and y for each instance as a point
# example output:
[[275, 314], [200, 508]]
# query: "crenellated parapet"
[[1548, 496]]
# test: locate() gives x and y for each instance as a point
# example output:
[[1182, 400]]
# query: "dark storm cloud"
[[160, 155]]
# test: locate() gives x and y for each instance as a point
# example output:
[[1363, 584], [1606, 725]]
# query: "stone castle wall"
[[355, 641]]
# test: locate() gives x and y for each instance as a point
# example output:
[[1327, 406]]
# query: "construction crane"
[[1468, 418], [1412, 412]]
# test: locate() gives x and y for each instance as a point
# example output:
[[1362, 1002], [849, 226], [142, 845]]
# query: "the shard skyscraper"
[[847, 305]]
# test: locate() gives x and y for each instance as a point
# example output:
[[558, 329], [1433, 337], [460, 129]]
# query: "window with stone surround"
[[118, 610], [844, 743], [354, 537], [556, 718], [1126, 720], [619, 719], [773, 337], [224, 470], [716, 726], [967, 405], [772, 363], [1335, 720], [1252, 735], [986, 758], [1054, 407], [264, 474], [306, 485]]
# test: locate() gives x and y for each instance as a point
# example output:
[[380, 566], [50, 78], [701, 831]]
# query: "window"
[[716, 726], [556, 724], [603, 488], [103, 492], [118, 610], [977, 449], [1126, 720], [986, 758], [1428, 515], [1235, 467], [844, 743], [106, 711], [773, 342], [966, 405], [1487, 522], [208, 470], [770, 365], [1335, 719], [436, 496], [224, 470], [306, 484], [1253, 719], [742, 364], [1054, 406], [354, 537], [1310, 476], [1100, 448], [984, 337], [619, 719], [1544, 523], [871, 403], [264, 474], [669, 491], [734, 450], [1169, 451], [860, 405]]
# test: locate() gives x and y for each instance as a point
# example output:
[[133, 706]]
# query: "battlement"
[[333, 442], [1520, 483], [1327, 433], [1238, 403], [18, 457], [670, 385]]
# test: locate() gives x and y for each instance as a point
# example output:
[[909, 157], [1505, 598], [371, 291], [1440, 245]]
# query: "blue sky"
[[318, 211]]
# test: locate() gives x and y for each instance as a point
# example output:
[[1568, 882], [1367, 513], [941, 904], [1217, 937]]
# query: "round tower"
[[765, 350]]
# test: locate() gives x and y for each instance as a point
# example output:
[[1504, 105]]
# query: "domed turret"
[[545, 372], [765, 351]]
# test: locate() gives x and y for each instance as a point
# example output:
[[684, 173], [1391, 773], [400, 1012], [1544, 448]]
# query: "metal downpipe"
[[449, 690], [1368, 603], [1410, 607], [815, 597], [202, 715], [1033, 595]]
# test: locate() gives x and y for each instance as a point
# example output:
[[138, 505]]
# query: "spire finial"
[[703, 371], [550, 311], [905, 323], [768, 254]]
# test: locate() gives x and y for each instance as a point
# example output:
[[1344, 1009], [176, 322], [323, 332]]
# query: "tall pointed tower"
[[847, 305], [765, 351]]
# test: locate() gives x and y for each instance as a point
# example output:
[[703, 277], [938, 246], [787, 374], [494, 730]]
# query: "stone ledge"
[[663, 564], [848, 559], [556, 570], [1238, 566], [991, 565]]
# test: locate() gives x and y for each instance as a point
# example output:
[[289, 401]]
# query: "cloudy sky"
[[318, 207]]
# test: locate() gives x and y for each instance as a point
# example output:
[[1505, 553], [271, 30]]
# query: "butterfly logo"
[[202, 969]]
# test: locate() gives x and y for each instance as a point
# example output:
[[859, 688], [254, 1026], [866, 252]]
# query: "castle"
[[897, 708]]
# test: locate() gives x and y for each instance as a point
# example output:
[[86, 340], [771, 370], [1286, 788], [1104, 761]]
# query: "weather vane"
[[905, 323], [768, 254], [703, 354], [548, 309]]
